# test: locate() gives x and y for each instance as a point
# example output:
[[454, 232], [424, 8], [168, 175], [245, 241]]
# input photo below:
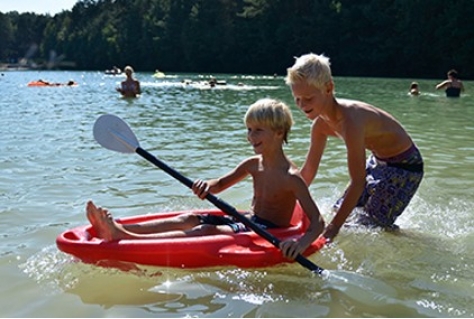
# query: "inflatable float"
[[45, 83], [38, 83], [158, 75], [245, 250]]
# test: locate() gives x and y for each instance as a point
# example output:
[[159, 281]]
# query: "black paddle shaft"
[[228, 209]]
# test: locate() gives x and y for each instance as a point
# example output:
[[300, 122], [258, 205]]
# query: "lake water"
[[50, 166]]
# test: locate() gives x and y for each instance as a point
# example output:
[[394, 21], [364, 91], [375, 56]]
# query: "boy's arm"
[[292, 248], [315, 152], [202, 188], [356, 165]]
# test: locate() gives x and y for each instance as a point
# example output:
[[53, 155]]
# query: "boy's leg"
[[107, 228], [182, 222], [190, 224], [391, 192]]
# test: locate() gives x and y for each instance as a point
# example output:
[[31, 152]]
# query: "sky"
[[37, 6]]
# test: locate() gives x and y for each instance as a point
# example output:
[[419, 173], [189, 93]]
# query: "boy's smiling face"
[[263, 138], [309, 98]]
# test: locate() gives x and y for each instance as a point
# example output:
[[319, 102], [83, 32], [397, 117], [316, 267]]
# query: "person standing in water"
[[384, 184], [130, 87], [452, 86]]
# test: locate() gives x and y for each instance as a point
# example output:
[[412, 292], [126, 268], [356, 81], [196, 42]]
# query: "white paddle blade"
[[113, 133]]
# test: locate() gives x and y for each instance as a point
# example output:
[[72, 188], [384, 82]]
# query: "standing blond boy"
[[385, 184]]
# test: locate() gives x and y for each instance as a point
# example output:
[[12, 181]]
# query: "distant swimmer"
[[114, 71], [213, 82], [414, 89]]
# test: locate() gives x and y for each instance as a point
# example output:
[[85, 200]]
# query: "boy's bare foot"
[[103, 223], [90, 213]]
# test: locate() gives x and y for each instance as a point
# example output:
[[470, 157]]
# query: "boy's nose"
[[250, 136]]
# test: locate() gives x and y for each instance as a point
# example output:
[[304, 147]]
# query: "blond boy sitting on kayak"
[[277, 185]]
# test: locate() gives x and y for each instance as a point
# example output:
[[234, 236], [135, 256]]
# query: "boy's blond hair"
[[312, 68], [271, 113]]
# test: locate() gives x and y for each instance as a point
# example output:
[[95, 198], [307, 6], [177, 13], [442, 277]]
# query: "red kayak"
[[245, 250]]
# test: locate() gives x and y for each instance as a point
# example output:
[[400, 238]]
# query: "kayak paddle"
[[114, 134]]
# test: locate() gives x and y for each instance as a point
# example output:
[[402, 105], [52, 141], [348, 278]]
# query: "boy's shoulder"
[[292, 178], [294, 171], [251, 160]]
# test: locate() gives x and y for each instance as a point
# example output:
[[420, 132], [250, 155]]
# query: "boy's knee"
[[189, 219], [206, 229]]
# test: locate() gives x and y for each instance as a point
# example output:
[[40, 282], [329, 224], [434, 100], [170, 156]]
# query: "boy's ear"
[[280, 133], [329, 87]]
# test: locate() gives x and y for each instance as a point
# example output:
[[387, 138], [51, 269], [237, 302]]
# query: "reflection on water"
[[51, 166]]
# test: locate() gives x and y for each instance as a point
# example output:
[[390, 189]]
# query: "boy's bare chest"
[[271, 183]]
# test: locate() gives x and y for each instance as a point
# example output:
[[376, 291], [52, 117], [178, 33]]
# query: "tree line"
[[380, 38]]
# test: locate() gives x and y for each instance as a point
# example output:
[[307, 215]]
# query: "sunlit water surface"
[[50, 166]]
